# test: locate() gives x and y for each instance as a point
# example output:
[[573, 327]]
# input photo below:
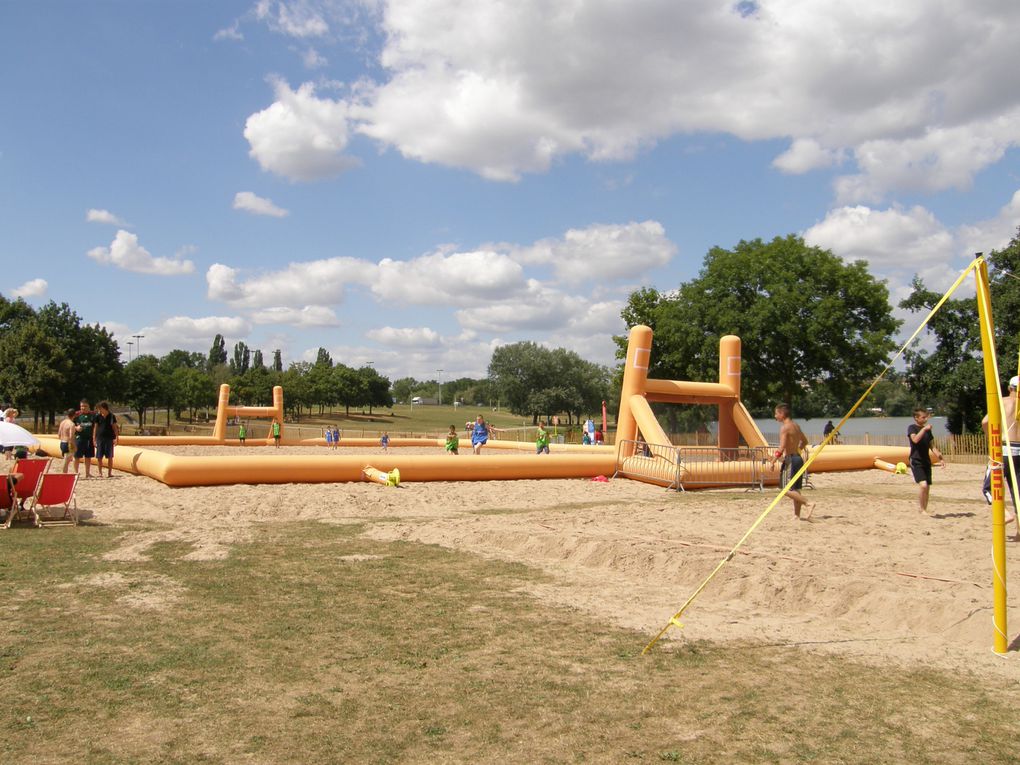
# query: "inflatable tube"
[[651, 430], [276, 467], [747, 427]]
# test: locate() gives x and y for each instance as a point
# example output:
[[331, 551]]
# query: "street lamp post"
[[129, 344], [138, 349], [440, 371]]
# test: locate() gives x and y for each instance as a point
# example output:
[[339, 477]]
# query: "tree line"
[[817, 330]]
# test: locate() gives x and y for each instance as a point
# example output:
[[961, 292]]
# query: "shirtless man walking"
[[791, 442]]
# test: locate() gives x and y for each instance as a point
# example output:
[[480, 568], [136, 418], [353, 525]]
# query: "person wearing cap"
[[1010, 449]]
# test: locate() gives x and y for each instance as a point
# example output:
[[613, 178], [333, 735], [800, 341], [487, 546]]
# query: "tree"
[[145, 386], [952, 376], [404, 388], [323, 358], [277, 361], [805, 318], [96, 371], [241, 360], [350, 388], [257, 362], [192, 388], [218, 352], [33, 368], [536, 381]]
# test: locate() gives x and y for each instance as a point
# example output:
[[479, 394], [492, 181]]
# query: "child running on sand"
[[452, 441], [542, 440], [384, 442]]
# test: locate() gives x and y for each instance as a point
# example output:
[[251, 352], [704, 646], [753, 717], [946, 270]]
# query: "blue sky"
[[413, 184]]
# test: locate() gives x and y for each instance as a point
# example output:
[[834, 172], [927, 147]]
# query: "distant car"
[[416, 400]]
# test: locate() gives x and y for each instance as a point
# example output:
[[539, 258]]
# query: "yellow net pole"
[[995, 424]]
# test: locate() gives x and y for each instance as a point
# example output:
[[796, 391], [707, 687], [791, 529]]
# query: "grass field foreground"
[[310, 644]]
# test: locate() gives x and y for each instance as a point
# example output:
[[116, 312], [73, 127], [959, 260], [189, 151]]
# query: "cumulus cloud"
[[105, 216], [184, 332], [448, 278], [539, 307], [901, 238], [807, 154], [31, 288], [126, 253], [300, 136], [251, 202], [603, 252], [405, 337], [899, 242], [504, 89], [309, 316], [317, 282]]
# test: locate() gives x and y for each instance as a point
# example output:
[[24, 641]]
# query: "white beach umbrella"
[[15, 435]]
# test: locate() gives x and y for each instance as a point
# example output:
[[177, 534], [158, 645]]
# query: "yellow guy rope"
[[675, 619]]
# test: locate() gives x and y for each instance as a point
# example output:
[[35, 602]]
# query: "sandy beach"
[[871, 578]]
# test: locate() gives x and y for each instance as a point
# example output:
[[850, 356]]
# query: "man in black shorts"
[[84, 446], [922, 441], [791, 442]]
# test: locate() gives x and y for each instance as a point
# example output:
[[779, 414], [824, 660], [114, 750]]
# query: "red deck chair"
[[8, 501], [55, 490], [32, 468]]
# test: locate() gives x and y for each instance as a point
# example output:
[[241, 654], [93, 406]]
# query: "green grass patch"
[[310, 644]]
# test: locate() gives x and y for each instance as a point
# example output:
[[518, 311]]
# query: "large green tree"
[[539, 382], [805, 318]]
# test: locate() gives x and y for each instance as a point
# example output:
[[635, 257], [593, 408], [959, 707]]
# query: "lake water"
[[856, 426]]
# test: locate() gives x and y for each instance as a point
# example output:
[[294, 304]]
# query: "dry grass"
[[312, 644]]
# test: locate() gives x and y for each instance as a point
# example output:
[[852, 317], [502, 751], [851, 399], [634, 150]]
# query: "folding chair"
[[56, 490], [8, 501], [31, 468]]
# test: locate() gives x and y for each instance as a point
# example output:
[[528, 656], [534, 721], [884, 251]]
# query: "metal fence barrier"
[[693, 467], [657, 463]]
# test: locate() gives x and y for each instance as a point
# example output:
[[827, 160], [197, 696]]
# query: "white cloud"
[[250, 202], [603, 252], [407, 337], [184, 332], [995, 233], [538, 308], [506, 88], [294, 18], [229, 33], [316, 282], [894, 238], [105, 216], [126, 253], [300, 136], [459, 278], [31, 288], [309, 316], [806, 154], [941, 158], [312, 59], [898, 243]]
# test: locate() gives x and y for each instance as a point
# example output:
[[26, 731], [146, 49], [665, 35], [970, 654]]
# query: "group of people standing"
[[85, 435]]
